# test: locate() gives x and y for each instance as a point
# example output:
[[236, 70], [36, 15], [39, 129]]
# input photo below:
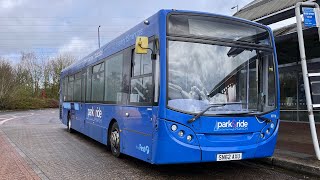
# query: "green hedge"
[[32, 103]]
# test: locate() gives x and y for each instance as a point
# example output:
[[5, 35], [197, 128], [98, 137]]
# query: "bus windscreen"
[[218, 28]]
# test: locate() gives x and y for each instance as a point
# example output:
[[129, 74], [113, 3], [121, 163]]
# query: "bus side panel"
[[96, 120], [75, 108], [80, 116], [168, 149], [137, 132]]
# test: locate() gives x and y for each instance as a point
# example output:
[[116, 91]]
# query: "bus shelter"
[[292, 96]]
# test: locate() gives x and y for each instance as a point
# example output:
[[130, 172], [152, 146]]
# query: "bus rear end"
[[219, 95]]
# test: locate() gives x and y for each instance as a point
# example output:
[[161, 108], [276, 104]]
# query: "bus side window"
[[83, 85], [88, 84], [113, 86], [77, 88], [97, 80], [70, 88], [64, 88], [142, 63], [141, 78]]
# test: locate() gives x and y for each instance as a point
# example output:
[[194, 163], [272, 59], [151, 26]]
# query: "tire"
[[114, 139], [69, 125]]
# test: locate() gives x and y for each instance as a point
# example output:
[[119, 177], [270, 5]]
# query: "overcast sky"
[[54, 26]]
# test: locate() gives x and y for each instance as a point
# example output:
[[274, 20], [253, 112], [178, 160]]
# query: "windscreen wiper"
[[267, 120], [211, 106]]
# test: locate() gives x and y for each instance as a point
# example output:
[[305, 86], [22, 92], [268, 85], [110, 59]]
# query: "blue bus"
[[180, 87]]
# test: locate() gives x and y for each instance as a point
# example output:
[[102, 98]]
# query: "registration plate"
[[229, 157]]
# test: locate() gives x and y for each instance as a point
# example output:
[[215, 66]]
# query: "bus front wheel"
[[114, 139]]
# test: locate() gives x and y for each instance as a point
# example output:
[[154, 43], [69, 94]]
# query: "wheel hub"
[[114, 139]]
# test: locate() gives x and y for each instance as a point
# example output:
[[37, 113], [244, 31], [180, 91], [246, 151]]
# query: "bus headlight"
[[181, 133], [268, 131], [174, 127], [189, 137], [272, 125]]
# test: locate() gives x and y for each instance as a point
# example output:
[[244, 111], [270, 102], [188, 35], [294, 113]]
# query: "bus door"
[[82, 108], [138, 128], [77, 106]]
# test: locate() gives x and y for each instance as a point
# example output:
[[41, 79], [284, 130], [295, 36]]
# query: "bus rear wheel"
[[114, 139]]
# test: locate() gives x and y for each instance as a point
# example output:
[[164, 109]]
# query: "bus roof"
[[128, 38]]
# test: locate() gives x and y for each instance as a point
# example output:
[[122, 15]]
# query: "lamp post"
[[236, 7], [99, 35]]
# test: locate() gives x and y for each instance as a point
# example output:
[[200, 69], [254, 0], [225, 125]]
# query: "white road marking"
[[13, 116], [2, 122]]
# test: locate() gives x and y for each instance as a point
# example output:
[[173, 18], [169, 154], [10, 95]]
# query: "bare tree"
[[56, 65], [34, 66]]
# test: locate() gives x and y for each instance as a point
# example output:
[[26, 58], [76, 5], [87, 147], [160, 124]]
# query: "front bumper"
[[168, 149]]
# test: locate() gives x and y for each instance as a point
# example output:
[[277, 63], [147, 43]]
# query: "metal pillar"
[[305, 73], [99, 36]]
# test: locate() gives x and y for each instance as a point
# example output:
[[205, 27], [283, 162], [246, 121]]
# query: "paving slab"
[[12, 164], [53, 153], [294, 149]]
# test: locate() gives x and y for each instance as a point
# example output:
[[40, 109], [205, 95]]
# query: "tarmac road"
[[53, 153]]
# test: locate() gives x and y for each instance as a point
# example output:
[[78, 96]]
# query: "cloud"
[[78, 47], [52, 27], [9, 4]]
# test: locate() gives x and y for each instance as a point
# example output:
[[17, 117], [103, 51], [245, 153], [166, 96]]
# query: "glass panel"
[[253, 90], [204, 74], [113, 90], [302, 96], [78, 76], [288, 115], [303, 116], [98, 82], [65, 88], [137, 64], [77, 90], [317, 116], [83, 86], [70, 88], [141, 90], [98, 68], [142, 63], [315, 89], [88, 84], [271, 84], [217, 27], [126, 75], [288, 89], [71, 78]]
